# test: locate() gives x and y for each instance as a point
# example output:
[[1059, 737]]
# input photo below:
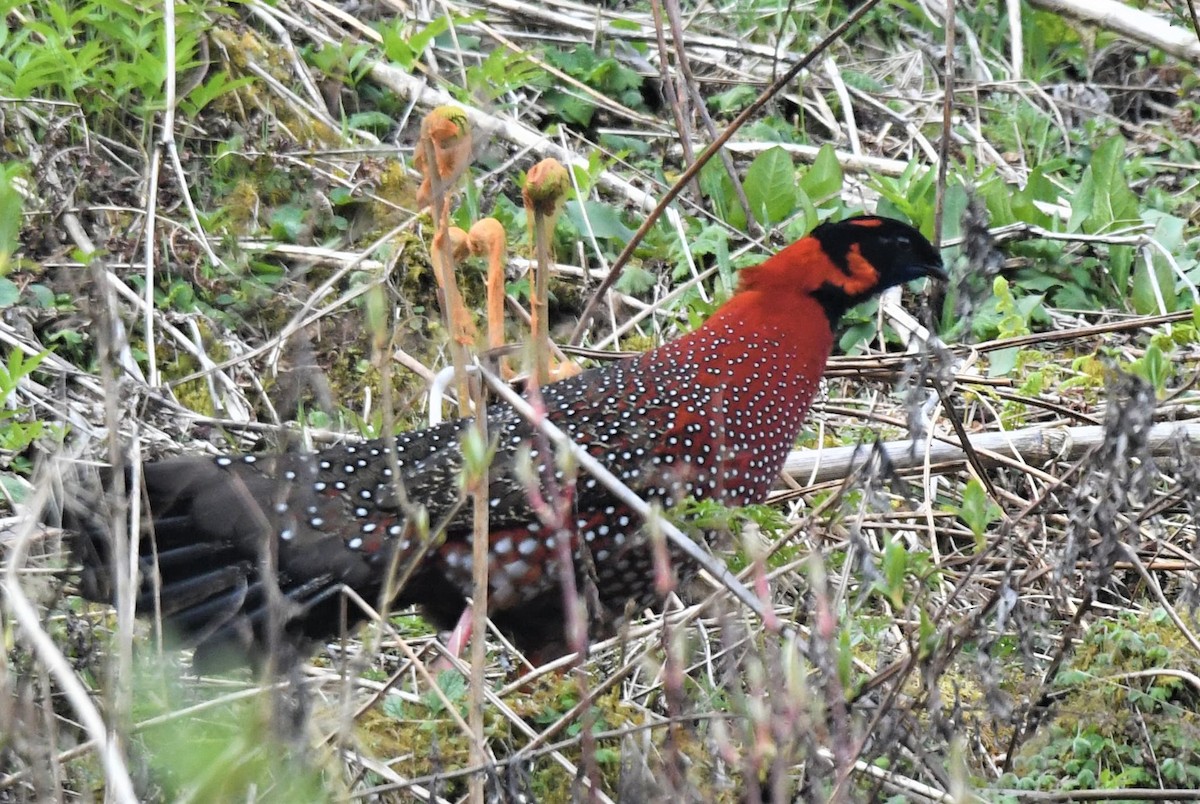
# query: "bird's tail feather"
[[193, 565]]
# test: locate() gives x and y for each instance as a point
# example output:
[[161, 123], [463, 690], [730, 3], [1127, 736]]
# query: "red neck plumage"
[[759, 361]]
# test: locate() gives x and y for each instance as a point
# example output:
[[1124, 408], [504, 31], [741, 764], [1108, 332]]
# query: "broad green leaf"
[[9, 292], [1002, 361], [605, 221], [1145, 301], [823, 179], [770, 185]]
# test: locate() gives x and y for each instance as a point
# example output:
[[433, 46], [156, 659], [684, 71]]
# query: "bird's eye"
[[903, 242]]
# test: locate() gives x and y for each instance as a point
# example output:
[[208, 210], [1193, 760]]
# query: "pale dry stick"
[[849, 162], [939, 13], [384, 771], [412, 364], [427, 677], [939, 204], [554, 751], [670, 90], [839, 88], [1180, 274], [1016, 37], [657, 307], [120, 784], [588, 229], [124, 353], [299, 69], [700, 104], [301, 105], [276, 342], [516, 132], [983, 147], [241, 407], [349, 20], [318, 255], [324, 168], [149, 239], [818, 109], [518, 722], [1135, 323], [123, 561], [166, 142], [148, 243], [122, 209], [903, 784], [910, 128], [412, 657], [1156, 589], [210, 384], [1031, 444], [1130, 23], [590, 21]]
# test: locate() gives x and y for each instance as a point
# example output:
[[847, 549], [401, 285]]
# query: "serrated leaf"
[[635, 281]]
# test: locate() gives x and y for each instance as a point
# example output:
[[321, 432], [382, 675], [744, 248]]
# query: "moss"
[[427, 741], [1110, 729]]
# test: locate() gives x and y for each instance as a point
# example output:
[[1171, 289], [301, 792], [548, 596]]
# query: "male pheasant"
[[709, 415]]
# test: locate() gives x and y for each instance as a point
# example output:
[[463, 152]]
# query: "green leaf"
[[895, 567], [1144, 298], [978, 511], [1002, 361], [927, 636], [1103, 200], [823, 179], [287, 223], [635, 280], [10, 294], [770, 186], [605, 221], [1154, 367]]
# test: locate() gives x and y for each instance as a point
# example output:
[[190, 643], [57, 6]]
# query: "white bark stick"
[[1138, 25], [1033, 445]]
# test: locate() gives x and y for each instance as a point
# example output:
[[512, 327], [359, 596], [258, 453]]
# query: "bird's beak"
[[921, 270], [935, 271]]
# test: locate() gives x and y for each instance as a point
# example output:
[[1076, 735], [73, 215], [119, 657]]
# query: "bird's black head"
[[867, 255]]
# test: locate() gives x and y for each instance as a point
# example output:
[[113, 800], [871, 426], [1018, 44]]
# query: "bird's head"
[[844, 263]]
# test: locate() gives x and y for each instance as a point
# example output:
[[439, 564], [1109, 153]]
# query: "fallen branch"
[[1030, 445], [1130, 22]]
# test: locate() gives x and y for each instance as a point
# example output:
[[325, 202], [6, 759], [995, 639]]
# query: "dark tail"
[[207, 563]]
